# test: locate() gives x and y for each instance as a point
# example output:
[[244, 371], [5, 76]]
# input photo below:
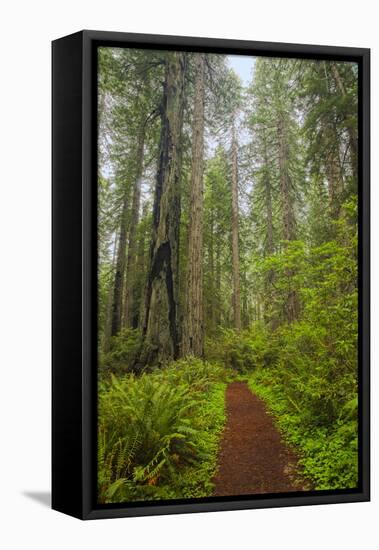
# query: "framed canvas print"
[[210, 274]]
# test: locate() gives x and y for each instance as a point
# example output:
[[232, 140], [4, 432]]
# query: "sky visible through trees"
[[227, 247]]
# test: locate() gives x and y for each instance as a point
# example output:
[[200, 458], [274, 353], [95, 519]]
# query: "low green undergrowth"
[[328, 452], [241, 351], [159, 432]]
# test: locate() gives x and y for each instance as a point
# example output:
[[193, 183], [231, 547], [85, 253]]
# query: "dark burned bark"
[[160, 335], [193, 334]]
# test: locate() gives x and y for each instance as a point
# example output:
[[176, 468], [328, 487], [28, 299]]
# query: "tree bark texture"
[[193, 333], [160, 329]]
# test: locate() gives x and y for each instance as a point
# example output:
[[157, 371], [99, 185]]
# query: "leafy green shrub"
[[242, 351], [328, 454], [198, 375]]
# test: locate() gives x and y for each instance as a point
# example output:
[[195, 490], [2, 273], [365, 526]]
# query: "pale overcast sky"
[[243, 65]]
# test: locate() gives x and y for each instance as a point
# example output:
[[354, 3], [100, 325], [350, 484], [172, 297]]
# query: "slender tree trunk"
[[270, 276], [235, 244], [108, 319], [352, 132], [160, 328], [193, 334], [333, 174], [269, 248], [120, 269], [268, 206], [270, 228], [130, 281], [288, 217], [245, 310], [142, 268], [333, 169], [212, 290], [218, 281]]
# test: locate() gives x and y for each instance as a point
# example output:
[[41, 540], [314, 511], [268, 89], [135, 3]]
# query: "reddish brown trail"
[[253, 459]]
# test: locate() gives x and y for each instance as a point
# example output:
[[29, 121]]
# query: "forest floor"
[[253, 459]]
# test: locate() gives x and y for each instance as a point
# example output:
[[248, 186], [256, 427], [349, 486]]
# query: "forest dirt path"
[[252, 459]]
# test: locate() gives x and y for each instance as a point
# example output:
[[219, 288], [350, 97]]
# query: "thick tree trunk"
[[288, 216], [235, 244], [193, 333], [120, 269], [130, 313], [160, 328]]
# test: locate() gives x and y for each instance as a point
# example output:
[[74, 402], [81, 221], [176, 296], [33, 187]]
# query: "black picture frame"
[[74, 136]]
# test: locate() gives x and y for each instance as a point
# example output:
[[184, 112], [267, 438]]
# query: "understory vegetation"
[[328, 451], [159, 432]]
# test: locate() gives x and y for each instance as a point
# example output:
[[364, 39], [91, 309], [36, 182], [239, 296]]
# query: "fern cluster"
[[158, 433]]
